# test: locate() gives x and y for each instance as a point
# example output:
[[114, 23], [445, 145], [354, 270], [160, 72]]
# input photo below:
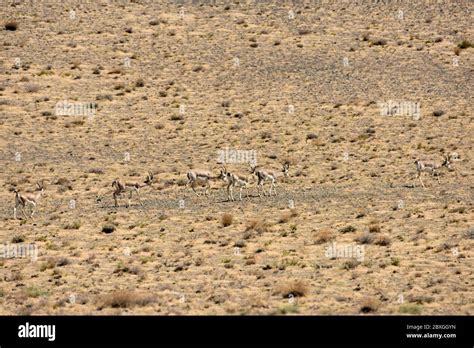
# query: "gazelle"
[[28, 199], [121, 187], [235, 180], [431, 167], [202, 178], [263, 175]]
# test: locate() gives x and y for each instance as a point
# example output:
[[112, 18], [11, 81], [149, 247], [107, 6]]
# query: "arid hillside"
[[348, 94]]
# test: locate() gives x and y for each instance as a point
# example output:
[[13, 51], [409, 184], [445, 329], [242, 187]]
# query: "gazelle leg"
[[240, 195], [33, 209], [139, 198], [24, 212], [193, 186], [419, 177], [14, 213], [437, 177], [115, 200], [129, 199]]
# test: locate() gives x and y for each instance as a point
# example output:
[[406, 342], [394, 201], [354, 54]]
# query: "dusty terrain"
[[174, 85]]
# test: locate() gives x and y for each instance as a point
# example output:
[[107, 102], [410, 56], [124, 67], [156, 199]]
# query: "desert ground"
[[173, 83]]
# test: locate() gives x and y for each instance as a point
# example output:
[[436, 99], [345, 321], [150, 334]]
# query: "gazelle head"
[[285, 169], [40, 186], [252, 168], [149, 178], [446, 162], [223, 174]]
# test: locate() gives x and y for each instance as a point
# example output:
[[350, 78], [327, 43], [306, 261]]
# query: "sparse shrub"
[[96, 171], [108, 228], [382, 240], [31, 88], [347, 229], [225, 103], [198, 68], [33, 291], [460, 210], [369, 305], [285, 217], [227, 219], [258, 225], [311, 136], [72, 226], [140, 83], [465, 44], [379, 42], [438, 113], [294, 288], [304, 31], [410, 308], [365, 238], [62, 261], [18, 239], [374, 227], [177, 117], [469, 234], [125, 299], [240, 243], [104, 97], [288, 309], [11, 25], [324, 236], [350, 264]]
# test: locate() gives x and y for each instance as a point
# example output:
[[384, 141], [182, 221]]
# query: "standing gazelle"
[[272, 176], [121, 187], [202, 178], [431, 167], [235, 180], [28, 199]]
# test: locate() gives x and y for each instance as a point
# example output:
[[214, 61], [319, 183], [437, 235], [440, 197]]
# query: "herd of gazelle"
[[237, 180], [203, 178]]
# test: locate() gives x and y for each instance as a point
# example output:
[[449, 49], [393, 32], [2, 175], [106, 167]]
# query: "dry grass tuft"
[[293, 288], [374, 226], [11, 26], [369, 305], [227, 219], [382, 240], [125, 299], [323, 236], [258, 225], [286, 216], [365, 238]]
